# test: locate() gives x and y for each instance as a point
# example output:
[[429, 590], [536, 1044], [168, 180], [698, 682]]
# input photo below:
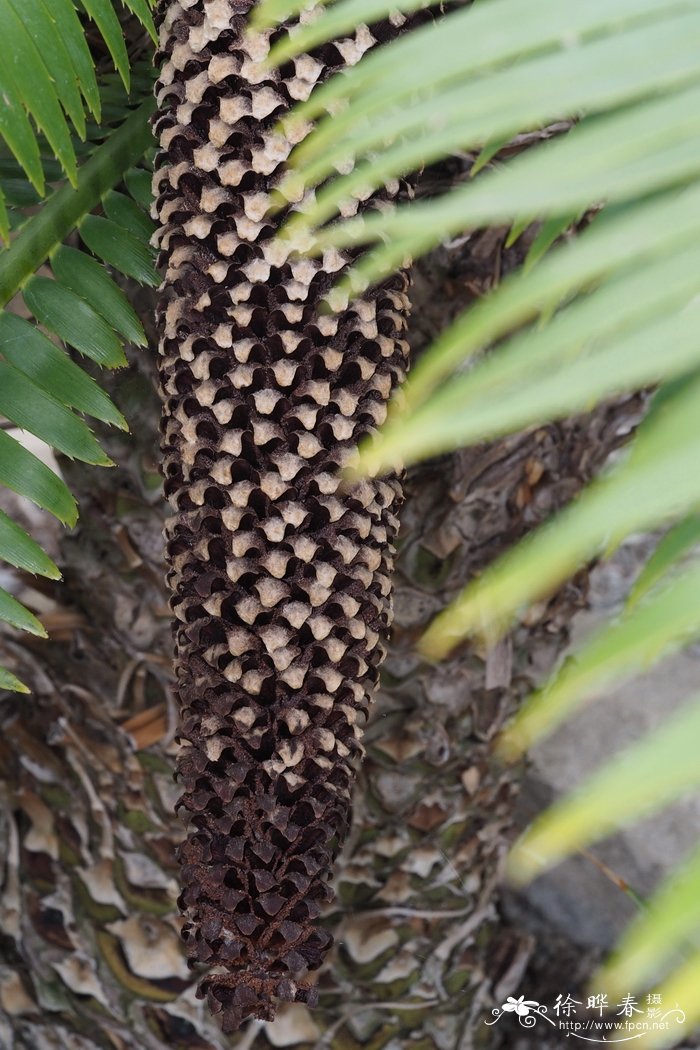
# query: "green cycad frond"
[[42, 389], [48, 78], [610, 312]]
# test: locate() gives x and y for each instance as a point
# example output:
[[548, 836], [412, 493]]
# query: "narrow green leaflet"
[[12, 612], [119, 248], [24, 66], [657, 481], [70, 317], [677, 542], [102, 14], [54, 55], [612, 245], [650, 942], [33, 409], [71, 32], [644, 778], [17, 132], [559, 384], [29, 350], [467, 42], [552, 229], [22, 551], [590, 78], [11, 683], [619, 157], [128, 214], [337, 19], [64, 209], [487, 153], [88, 279], [19, 193], [138, 183], [666, 621], [269, 13], [26, 475], [142, 10]]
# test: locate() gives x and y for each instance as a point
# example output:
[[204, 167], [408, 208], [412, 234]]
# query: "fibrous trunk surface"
[[280, 577]]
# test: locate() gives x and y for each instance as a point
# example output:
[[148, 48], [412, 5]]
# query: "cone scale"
[[280, 577]]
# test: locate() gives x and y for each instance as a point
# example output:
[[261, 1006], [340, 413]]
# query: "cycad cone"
[[280, 576]]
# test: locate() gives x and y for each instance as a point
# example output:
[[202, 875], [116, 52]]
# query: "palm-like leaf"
[[612, 311], [48, 76], [42, 390]]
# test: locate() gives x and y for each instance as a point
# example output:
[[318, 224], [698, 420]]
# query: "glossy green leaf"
[[102, 14], [20, 193], [664, 622], [71, 318], [28, 349], [142, 10], [34, 410], [12, 612], [26, 475], [64, 209], [18, 549], [49, 44], [72, 33], [17, 132], [645, 777], [11, 683], [23, 62], [138, 183], [88, 279], [129, 215], [119, 248]]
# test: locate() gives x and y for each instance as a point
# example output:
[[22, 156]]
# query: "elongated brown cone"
[[280, 579]]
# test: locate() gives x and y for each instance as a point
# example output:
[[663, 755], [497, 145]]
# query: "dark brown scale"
[[280, 580]]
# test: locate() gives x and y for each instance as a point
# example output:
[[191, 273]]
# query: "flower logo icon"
[[521, 1006]]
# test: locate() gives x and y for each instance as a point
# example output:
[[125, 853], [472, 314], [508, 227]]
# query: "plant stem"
[[63, 210]]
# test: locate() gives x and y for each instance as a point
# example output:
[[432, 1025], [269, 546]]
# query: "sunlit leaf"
[[666, 621], [647, 776]]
